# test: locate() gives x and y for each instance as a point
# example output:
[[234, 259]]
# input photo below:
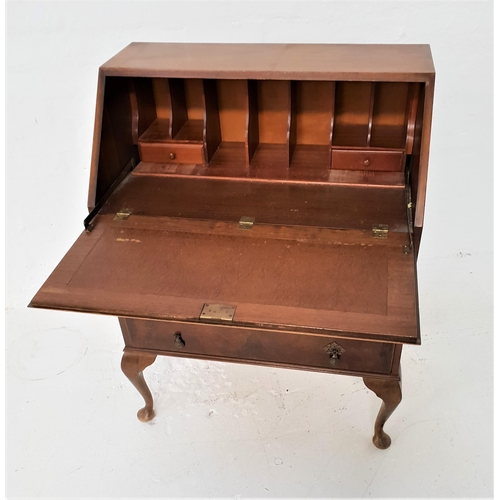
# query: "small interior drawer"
[[172, 152], [367, 159], [259, 346]]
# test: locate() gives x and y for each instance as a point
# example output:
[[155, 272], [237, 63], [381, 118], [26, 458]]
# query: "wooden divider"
[[252, 136], [211, 123], [370, 114], [178, 106], [292, 120]]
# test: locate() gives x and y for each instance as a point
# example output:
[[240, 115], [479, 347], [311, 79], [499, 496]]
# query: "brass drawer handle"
[[172, 156], [335, 351], [178, 340], [366, 163]]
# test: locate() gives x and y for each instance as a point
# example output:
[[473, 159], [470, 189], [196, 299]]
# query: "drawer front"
[[368, 159], [242, 344], [172, 152]]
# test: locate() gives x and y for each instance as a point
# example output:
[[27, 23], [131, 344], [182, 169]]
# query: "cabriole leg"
[[389, 391], [133, 364]]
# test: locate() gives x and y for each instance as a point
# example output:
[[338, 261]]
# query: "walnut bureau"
[[257, 204]]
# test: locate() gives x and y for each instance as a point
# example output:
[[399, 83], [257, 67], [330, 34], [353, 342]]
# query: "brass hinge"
[[123, 214], [218, 312], [246, 222], [380, 231]]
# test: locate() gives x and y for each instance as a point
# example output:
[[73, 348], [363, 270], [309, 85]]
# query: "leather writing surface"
[[131, 277], [237, 269]]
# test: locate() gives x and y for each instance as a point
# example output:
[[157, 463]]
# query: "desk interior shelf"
[[324, 131]]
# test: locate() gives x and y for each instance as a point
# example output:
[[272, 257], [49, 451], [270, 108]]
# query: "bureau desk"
[[257, 204]]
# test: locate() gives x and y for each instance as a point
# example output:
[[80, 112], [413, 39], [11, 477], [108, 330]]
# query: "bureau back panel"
[[313, 113], [232, 102], [330, 206], [390, 118], [353, 110]]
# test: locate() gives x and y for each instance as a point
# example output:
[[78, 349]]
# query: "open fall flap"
[[179, 249]]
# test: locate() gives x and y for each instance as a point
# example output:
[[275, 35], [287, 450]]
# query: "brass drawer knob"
[[335, 351], [178, 340], [172, 156], [366, 163]]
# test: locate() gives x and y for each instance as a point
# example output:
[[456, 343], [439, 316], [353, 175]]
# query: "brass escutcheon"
[[334, 350], [178, 340]]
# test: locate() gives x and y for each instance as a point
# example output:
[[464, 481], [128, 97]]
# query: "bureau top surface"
[[274, 61]]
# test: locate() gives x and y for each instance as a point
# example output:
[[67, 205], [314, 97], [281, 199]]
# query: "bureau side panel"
[[96, 143], [113, 146], [423, 157]]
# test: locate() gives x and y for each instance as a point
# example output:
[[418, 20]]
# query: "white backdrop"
[[54, 50]]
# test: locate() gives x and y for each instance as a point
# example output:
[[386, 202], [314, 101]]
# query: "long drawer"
[[259, 346]]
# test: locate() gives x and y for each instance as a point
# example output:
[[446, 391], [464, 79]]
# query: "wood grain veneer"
[[324, 147]]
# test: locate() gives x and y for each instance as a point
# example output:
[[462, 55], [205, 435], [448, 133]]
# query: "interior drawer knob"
[[171, 156], [178, 340], [366, 163], [335, 351]]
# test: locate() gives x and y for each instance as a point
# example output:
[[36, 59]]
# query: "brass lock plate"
[[217, 312]]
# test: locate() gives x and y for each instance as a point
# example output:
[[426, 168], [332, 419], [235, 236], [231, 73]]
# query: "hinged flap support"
[[88, 222]]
